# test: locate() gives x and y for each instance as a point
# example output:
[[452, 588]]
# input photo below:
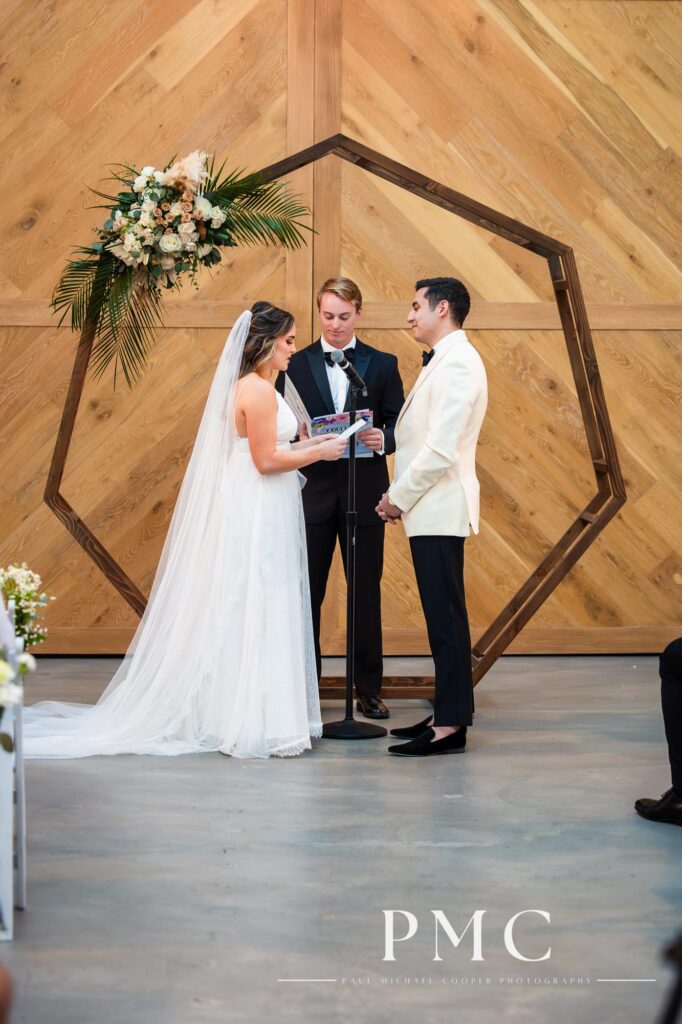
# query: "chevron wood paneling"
[[563, 114]]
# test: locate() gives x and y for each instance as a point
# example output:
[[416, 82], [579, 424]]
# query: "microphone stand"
[[349, 728]]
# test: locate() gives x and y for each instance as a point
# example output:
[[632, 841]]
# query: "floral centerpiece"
[[24, 585], [164, 225]]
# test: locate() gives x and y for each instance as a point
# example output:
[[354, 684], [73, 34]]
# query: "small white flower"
[[170, 243], [142, 179], [27, 662], [10, 694]]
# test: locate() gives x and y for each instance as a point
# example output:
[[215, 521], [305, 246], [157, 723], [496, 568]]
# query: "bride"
[[223, 658]]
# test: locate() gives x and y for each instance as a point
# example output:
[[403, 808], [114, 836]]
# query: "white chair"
[[12, 791]]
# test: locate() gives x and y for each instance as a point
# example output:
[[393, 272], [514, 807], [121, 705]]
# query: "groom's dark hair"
[[450, 290]]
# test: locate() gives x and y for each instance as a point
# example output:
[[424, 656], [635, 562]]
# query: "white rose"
[[217, 217], [202, 206], [140, 183], [170, 243], [158, 176], [176, 209], [27, 662], [187, 228]]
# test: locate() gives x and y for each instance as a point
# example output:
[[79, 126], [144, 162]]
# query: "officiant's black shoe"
[[425, 745], [667, 809], [410, 732], [371, 706]]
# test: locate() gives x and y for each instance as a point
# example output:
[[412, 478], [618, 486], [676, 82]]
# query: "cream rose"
[[170, 243]]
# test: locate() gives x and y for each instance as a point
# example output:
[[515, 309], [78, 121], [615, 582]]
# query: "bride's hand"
[[332, 448]]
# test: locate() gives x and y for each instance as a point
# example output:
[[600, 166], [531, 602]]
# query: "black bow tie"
[[349, 353], [428, 356]]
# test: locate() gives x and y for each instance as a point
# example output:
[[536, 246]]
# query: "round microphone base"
[[349, 729]]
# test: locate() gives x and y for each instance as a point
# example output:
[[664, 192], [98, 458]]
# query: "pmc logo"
[[444, 930]]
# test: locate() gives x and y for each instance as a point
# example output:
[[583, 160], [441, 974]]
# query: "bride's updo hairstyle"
[[268, 323]]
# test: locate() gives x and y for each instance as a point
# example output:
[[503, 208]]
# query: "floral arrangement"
[[20, 583], [10, 691], [162, 225]]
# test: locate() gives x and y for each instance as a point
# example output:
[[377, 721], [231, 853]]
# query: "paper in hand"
[[349, 431]]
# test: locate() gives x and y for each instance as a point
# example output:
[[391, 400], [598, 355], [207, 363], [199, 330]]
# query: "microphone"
[[349, 370]]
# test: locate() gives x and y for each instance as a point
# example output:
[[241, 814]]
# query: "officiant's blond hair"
[[343, 288]]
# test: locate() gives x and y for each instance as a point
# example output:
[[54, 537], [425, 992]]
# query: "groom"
[[435, 491], [323, 387]]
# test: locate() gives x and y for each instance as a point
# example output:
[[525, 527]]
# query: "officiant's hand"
[[372, 438]]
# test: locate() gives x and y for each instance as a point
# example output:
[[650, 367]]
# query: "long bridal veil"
[[152, 703]]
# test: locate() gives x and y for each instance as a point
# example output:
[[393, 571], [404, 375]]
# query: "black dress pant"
[[369, 562], [439, 568], [671, 705]]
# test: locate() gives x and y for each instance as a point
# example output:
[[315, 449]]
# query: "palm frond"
[[267, 214], [127, 329], [74, 290]]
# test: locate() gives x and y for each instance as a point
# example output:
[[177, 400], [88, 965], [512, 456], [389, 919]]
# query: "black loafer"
[[668, 809], [426, 746], [371, 706], [410, 732]]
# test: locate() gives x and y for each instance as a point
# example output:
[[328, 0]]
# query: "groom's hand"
[[388, 512]]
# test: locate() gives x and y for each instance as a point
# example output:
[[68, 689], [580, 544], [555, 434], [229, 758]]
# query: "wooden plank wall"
[[563, 114]]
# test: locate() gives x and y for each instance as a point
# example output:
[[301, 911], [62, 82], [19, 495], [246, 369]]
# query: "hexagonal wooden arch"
[[610, 489]]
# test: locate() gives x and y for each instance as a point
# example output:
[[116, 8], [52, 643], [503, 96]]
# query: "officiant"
[[323, 387]]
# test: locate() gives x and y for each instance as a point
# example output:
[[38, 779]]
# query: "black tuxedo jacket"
[[327, 482]]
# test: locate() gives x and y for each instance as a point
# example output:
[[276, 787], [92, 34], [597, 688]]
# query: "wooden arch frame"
[[610, 489]]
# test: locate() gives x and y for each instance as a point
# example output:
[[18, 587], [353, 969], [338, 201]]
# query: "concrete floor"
[[182, 890]]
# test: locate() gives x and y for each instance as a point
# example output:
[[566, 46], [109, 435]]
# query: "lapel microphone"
[[349, 370]]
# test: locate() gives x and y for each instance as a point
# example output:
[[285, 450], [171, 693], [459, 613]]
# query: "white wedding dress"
[[223, 658]]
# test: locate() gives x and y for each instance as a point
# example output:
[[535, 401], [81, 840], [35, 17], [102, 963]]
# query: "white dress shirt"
[[338, 381]]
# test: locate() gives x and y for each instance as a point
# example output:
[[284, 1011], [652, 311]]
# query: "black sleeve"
[[392, 399]]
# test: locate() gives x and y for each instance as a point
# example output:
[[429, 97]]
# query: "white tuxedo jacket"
[[435, 481]]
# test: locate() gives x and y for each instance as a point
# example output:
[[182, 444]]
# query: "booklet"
[[339, 423]]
